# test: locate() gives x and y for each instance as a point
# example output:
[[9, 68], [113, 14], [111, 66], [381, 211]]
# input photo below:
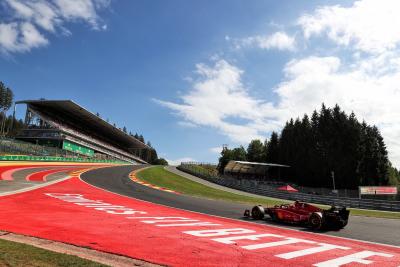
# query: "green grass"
[[21, 255], [163, 178], [160, 177], [375, 213]]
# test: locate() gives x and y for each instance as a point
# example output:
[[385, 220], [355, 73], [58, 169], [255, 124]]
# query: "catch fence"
[[255, 187]]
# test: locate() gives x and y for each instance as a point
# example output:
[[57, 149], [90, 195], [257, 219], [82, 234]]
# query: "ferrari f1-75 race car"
[[311, 216]]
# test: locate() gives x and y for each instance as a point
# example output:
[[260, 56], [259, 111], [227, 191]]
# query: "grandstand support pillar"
[[11, 128], [27, 116]]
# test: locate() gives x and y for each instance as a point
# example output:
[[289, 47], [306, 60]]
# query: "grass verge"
[[18, 255], [160, 177]]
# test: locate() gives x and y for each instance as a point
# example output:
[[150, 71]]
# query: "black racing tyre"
[[257, 212], [315, 221]]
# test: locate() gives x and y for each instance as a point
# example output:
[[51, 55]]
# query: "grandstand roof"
[[79, 117], [235, 166]]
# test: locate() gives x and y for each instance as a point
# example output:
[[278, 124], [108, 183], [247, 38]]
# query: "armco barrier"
[[57, 159], [247, 186]]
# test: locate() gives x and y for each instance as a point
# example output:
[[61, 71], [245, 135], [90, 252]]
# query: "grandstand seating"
[[86, 139]]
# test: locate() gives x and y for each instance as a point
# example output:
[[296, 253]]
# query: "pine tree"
[[272, 149], [141, 138], [255, 151]]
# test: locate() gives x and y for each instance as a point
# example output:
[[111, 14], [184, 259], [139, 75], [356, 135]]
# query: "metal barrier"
[[59, 159], [252, 187], [21, 151]]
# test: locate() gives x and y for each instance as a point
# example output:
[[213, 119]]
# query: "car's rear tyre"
[[257, 212], [315, 221]]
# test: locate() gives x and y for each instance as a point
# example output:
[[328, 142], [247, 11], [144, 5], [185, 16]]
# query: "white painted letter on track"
[[308, 251], [231, 239], [359, 257], [288, 241], [220, 232], [188, 224]]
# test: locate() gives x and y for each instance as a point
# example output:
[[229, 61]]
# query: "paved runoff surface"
[[18, 176], [80, 212]]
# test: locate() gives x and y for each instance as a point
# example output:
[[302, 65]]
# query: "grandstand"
[[65, 125]]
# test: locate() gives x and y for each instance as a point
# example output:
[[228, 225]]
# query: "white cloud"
[[20, 37], [78, 10], [368, 25], [187, 124], [177, 162], [278, 40], [28, 21], [216, 97], [216, 150]]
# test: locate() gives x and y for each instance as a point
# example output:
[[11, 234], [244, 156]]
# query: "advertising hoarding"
[[77, 148], [378, 190]]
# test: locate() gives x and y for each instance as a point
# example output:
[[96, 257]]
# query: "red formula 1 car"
[[302, 213]]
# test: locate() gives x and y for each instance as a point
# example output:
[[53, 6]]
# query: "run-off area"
[[259, 244]]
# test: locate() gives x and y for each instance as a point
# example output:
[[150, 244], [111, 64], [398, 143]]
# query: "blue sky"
[[193, 75]]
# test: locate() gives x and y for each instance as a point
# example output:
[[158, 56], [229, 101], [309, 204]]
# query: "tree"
[[226, 156], [272, 149], [124, 130], [239, 153], [141, 138], [162, 161], [394, 176], [153, 156], [255, 151], [14, 126], [6, 101]]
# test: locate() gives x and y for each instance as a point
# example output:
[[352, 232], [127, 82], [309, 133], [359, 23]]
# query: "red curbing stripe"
[[41, 175], [7, 172], [133, 177]]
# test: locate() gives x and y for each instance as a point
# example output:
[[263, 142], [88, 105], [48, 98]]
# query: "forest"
[[329, 142]]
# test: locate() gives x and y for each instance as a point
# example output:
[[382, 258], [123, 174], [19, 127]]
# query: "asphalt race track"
[[116, 179]]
